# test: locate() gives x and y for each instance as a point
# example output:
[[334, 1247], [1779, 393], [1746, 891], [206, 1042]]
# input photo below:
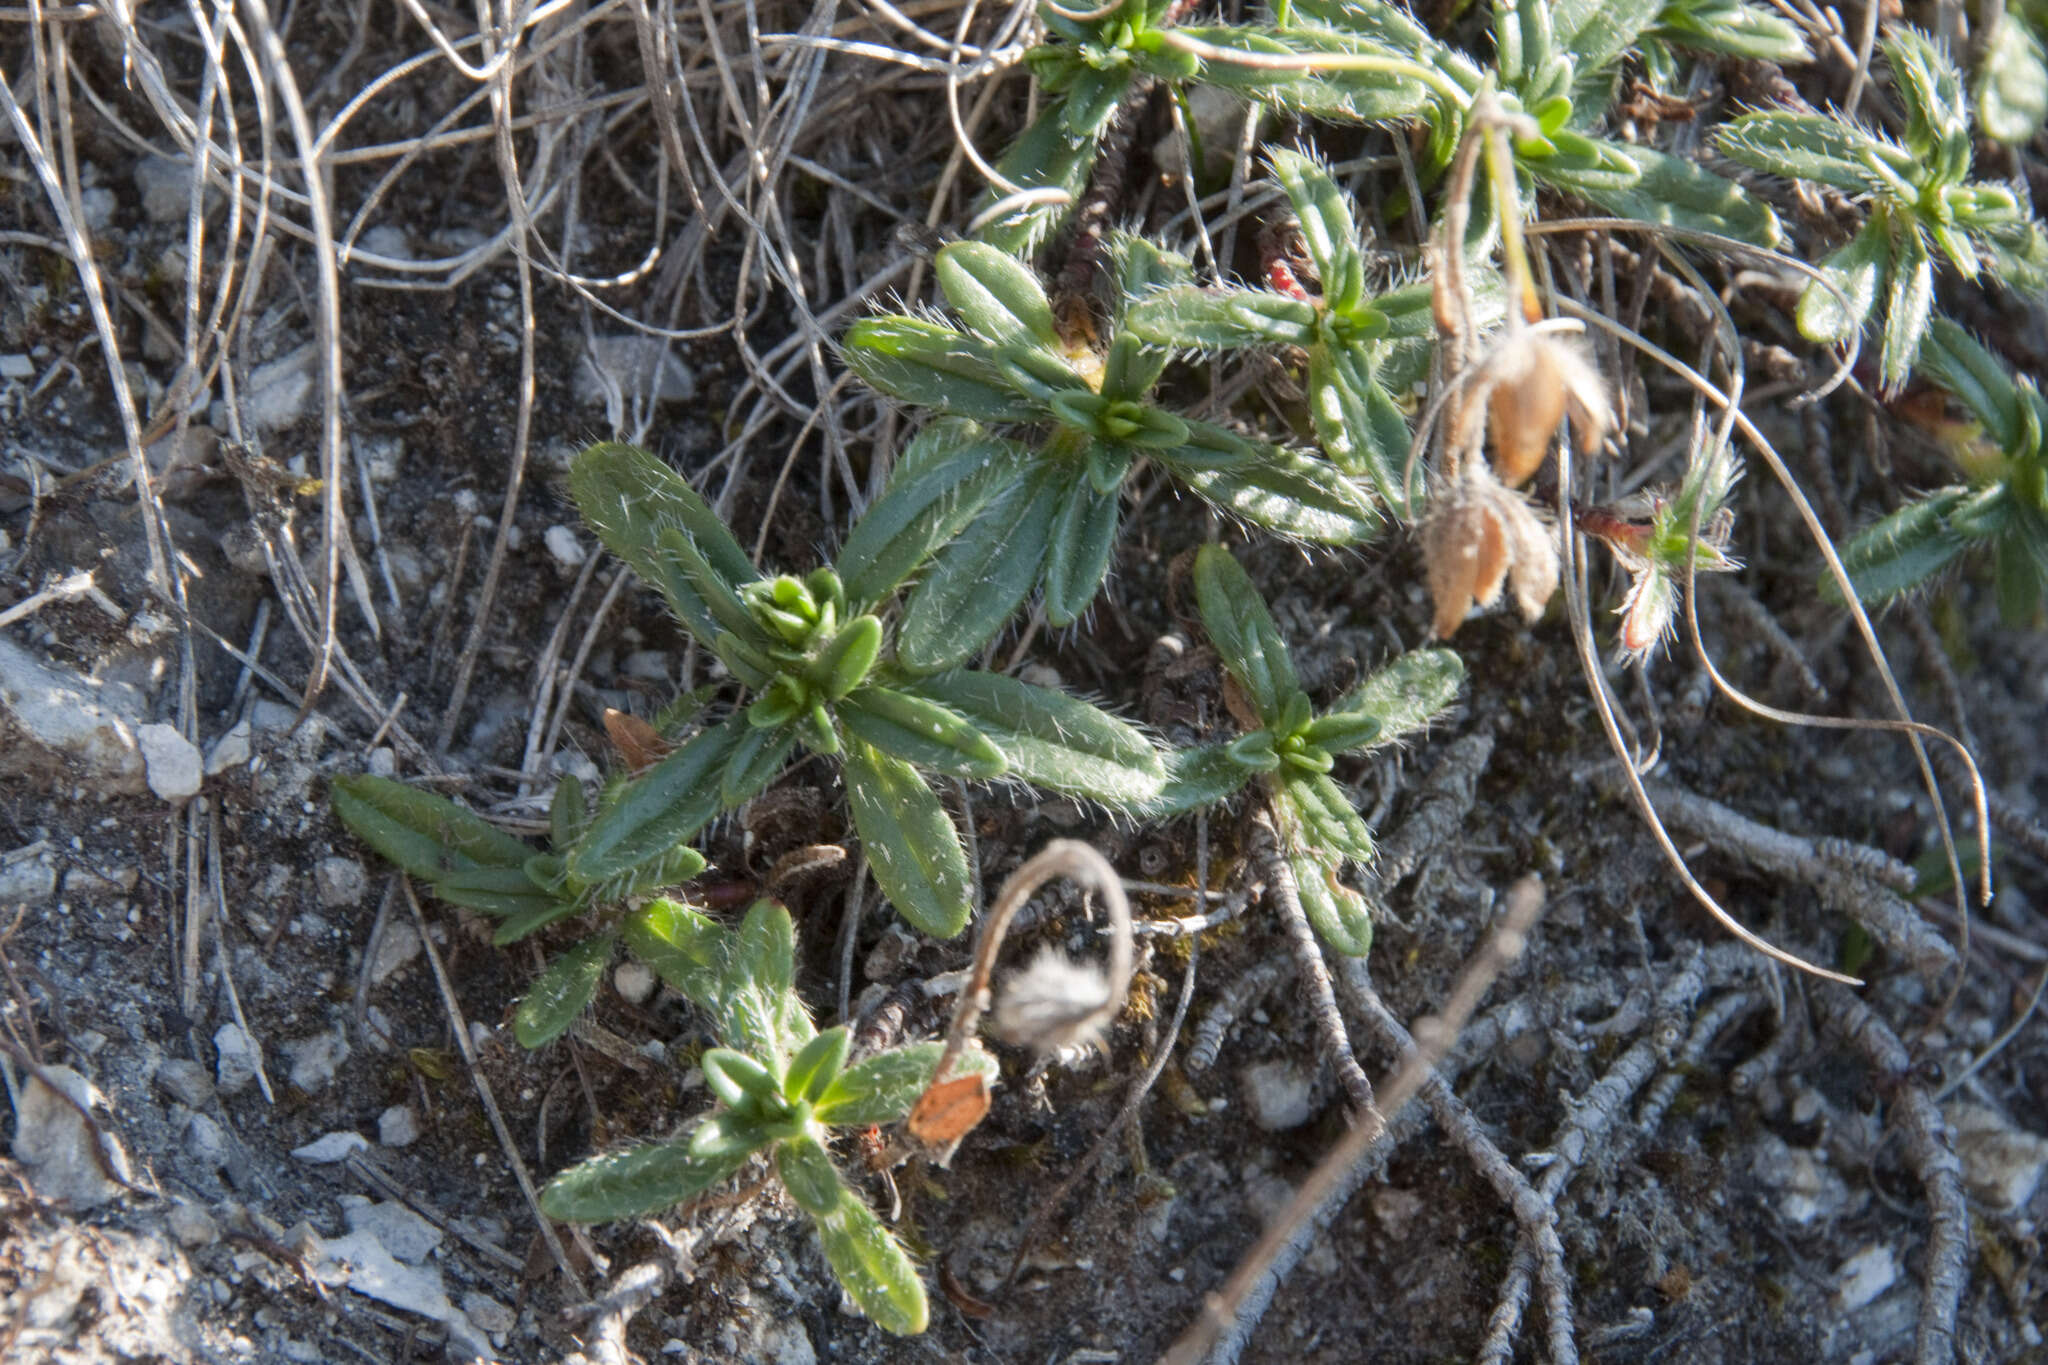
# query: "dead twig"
[[1313, 973]]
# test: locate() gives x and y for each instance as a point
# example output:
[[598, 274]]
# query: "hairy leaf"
[[996, 295], [1338, 913], [945, 476], [1283, 492], [1078, 555], [1857, 271], [1054, 740], [639, 1181], [1408, 693], [1199, 319], [934, 366], [1907, 310], [1244, 633], [1360, 428], [561, 992], [1806, 147], [911, 844], [1682, 193], [684, 946], [875, 1272], [920, 732], [1319, 818], [664, 806], [427, 835], [976, 582]]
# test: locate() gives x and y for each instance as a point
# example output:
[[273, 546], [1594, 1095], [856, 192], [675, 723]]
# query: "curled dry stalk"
[[1052, 1006], [1433, 1037]]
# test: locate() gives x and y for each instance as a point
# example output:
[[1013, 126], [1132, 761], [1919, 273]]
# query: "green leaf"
[[1931, 89], [2021, 568], [729, 1134], [760, 755], [911, 845], [628, 1184], [875, 1272], [946, 476], [1284, 492], [1360, 428], [996, 295], [1078, 555], [1197, 779], [1318, 818], [672, 868], [1194, 318], [920, 732], [566, 813], [1408, 693], [1954, 359], [561, 992], [497, 891], [935, 366], [1327, 229], [1341, 731], [766, 949], [882, 1088], [1858, 271], [1338, 913], [814, 1068], [628, 497], [2012, 89], [1363, 96], [1244, 632], [1046, 156], [1909, 307], [721, 599], [1738, 30], [976, 582], [1906, 548], [685, 947], [1807, 147], [740, 1082], [845, 663], [1681, 193], [808, 1174], [664, 806], [1053, 740], [531, 920], [427, 835], [1596, 32]]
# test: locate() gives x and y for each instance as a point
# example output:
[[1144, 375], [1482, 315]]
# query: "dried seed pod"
[[1532, 380], [1479, 537]]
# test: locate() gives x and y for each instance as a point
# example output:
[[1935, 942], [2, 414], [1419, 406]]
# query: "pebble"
[[28, 880], [387, 240], [383, 761], [173, 763], [207, 1141], [239, 1057], [186, 1081], [341, 882], [634, 982], [404, 1233], [166, 185], [231, 750], [398, 1126], [17, 366], [1279, 1094], [99, 205], [569, 552], [636, 364], [277, 394], [1864, 1276], [487, 1313], [315, 1059], [87, 727], [325, 1151], [2002, 1162], [399, 945], [52, 1139], [192, 1225]]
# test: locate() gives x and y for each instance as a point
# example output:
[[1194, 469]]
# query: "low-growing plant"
[[1047, 514], [783, 1087], [1289, 750], [1922, 201], [814, 655], [2003, 505]]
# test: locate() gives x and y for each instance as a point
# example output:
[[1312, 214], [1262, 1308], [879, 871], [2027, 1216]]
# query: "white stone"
[[341, 882], [1279, 1094], [634, 982], [192, 1225], [487, 1313], [315, 1059], [399, 945], [239, 1058], [27, 880], [404, 1233], [569, 552], [2002, 1162], [166, 185], [398, 1126], [185, 1081], [1864, 1276], [173, 763], [637, 365], [387, 240], [277, 394], [52, 1139], [16, 366], [207, 1141], [88, 726], [231, 750], [325, 1151]]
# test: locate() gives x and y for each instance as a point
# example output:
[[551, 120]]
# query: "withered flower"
[[1056, 1005], [1480, 536], [1531, 380]]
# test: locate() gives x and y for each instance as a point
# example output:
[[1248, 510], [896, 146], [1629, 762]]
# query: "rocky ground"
[[267, 1107]]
